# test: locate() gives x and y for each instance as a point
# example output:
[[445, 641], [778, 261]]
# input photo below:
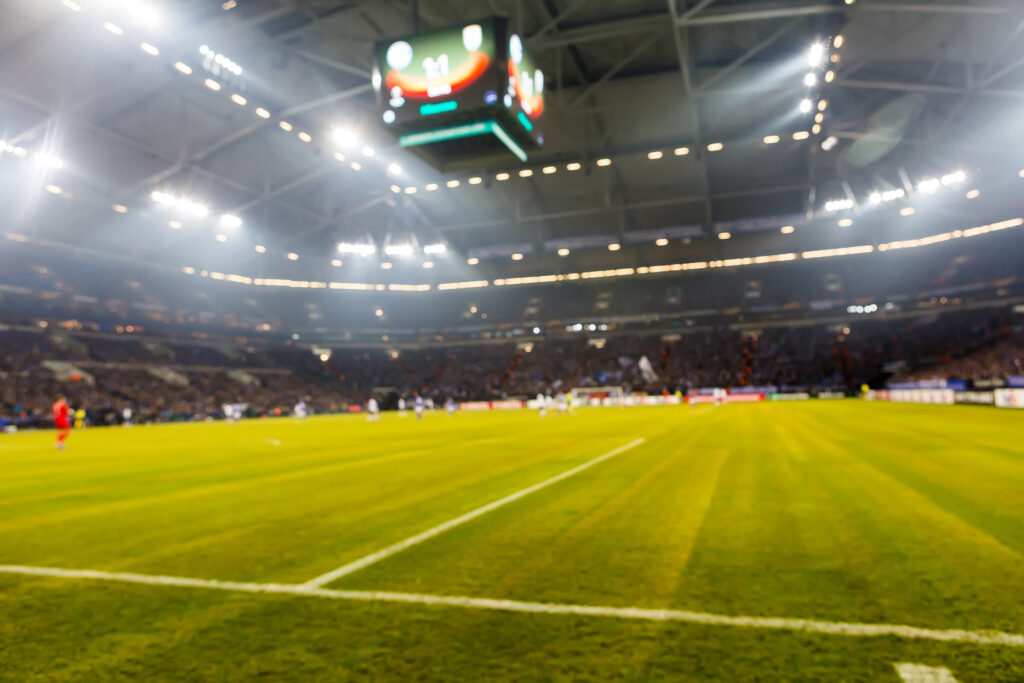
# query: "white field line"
[[919, 673], [836, 628], [384, 553]]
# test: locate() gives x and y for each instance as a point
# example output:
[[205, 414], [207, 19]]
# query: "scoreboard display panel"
[[472, 79]]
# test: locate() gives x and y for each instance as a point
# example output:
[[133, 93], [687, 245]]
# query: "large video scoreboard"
[[475, 79]]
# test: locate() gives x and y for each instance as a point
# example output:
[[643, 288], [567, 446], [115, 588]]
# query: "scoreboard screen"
[[476, 76]]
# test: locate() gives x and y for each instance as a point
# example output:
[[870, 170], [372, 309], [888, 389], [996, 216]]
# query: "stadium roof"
[[108, 103]]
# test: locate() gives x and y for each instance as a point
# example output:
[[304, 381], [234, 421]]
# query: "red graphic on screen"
[[533, 105], [464, 74]]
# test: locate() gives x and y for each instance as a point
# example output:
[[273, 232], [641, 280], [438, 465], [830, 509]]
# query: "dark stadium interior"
[[210, 204]]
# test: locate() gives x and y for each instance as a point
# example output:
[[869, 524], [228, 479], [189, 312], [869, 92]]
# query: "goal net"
[[598, 396]]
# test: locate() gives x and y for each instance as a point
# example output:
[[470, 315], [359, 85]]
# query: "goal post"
[[598, 396]]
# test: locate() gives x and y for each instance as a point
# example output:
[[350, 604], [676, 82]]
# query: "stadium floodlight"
[[71, 5], [183, 68], [716, 147], [362, 249], [336, 262], [810, 79], [368, 151], [724, 235], [396, 189], [472, 261], [573, 166], [973, 194], [163, 198], [815, 129], [411, 190], [452, 183], [614, 246], [212, 84], [681, 151], [815, 54], [908, 211], [830, 76], [149, 49], [430, 187], [54, 189], [837, 42], [438, 248], [801, 135], [222, 238], [379, 312], [285, 126], [929, 185], [787, 229], [292, 256], [343, 136], [954, 178], [305, 137], [239, 100], [604, 162], [262, 113], [394, 168], [356, 166], [174, 225], [655, 155], [834, 205], [875, 198], [502, 176], [845, 222], [548, 170], [661, 242], [385, 265], [806, 106], [525, 173], [563, 252], [475, 180], [428, 264], [770, 139], [48, 160], [829, 142], [822, 105], [193, 208], [230, 221], [120, 208], [260, 249], [398, 250], [536, 330], [113, 28], [517, 257]]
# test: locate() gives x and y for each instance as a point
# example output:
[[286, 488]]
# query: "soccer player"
[[79, 418], [401, 407], [126, 417], [417, 406], [373, 410], [300, 410], [562, 403], [449, 405], [542, 405], [61, 421]]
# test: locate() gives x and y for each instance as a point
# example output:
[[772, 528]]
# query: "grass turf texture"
[[841, 511]]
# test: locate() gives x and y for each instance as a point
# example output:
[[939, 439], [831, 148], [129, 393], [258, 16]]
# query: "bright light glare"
[[452, 183], [787, 229], [212, 84], [162, 198], [344, 137], [475, 180], [806, 106], [771, 139], [222, 238], [505, 176], [563, 252], [386, 265], [149, 49], [472, 261], [954, 178], [614, 246], [292, 256], [517, 257], [239, 100], [908, 211], [285, 126], [260, 249], [724, 235], [428, 264], [53, 189], [398, 250], [973, 194], [928, 185], [715, 147], [815, 53], [120, 208], [113, 28], [48, 160], [336, 262], [661, 242], [653, 156], [438, 248], [845, 222], [262, 113], [430, 187], [837, 42], [394, 168], [305, 137], [681, 151], [230, 221], [801, 135], [572, 166], [71, 5], [548, 170], [183, 68], [368, 151], [604, 162], [810, 79], [525, 173], [362, 249]]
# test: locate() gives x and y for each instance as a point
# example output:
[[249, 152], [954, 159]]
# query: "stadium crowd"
[[164, 380]]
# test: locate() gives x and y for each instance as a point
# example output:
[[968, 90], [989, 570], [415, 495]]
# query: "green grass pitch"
[[837, 511]]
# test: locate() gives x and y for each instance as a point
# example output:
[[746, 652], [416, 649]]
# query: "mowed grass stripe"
[[917, 559], [302, 523], [620, 532]]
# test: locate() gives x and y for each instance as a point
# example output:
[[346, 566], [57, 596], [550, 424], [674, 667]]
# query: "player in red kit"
[[61, 421]]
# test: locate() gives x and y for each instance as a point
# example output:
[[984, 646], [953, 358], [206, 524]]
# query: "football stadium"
[[512, 340]]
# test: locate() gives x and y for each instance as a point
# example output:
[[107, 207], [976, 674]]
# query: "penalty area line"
[[835, 628], [384, 553]]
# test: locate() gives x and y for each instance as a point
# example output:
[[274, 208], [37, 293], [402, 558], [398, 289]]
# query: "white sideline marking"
[[373, 558], [837, 628], [919, 673]]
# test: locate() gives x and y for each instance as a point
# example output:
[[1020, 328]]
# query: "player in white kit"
[[373, 410], [401, 407], [300, 410]]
